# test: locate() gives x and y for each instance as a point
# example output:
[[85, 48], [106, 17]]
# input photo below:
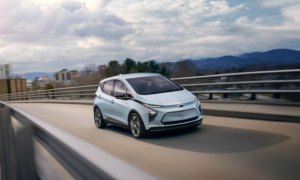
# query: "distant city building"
[[45, 78], [29, 83], [5, 71], [65, 75]]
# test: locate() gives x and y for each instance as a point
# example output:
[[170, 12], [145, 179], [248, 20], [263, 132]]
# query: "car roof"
[[133, 75]]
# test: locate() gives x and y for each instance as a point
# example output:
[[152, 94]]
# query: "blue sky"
[[43, 35]]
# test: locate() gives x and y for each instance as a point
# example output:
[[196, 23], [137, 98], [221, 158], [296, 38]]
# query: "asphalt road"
[[221, 148]]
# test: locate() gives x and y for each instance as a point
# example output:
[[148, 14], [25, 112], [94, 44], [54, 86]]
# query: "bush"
[[47, 87]]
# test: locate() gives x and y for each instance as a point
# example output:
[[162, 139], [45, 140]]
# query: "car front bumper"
[[176, 127]]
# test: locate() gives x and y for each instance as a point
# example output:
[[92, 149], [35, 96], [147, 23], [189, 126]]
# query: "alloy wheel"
[[97, 118], [135, 126]]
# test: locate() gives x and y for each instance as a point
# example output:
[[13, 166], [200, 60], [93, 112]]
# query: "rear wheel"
[[137, 126], [99, 122]]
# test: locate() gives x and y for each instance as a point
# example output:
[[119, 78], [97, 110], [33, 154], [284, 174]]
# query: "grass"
[[221, 95], [267, 95]]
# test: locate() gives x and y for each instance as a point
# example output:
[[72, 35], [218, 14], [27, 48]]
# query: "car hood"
[[168, 98]]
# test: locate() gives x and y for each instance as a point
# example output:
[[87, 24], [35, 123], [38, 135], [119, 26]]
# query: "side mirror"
[[120, 95]]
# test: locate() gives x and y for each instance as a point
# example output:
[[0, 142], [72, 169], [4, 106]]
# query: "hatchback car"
[[145, 103]]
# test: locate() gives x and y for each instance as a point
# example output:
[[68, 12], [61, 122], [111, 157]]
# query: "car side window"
[[108, 87], [120, 88]]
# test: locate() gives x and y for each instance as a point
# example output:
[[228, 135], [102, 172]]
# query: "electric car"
[[145, 103]]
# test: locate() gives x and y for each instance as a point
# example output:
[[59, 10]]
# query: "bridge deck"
[[221, 148], [290, 110]]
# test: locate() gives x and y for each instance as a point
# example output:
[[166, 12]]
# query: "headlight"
[[199, 106], [152, 106], [195, 99], [151, 112]]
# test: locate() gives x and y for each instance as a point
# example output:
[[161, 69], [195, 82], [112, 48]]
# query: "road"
[[221, 148]]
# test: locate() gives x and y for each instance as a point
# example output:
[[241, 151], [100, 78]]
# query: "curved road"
[[221, 148]]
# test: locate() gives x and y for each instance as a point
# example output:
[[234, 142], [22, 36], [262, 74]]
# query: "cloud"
[[72, 5], [51, 35], [274, 3], [292, 13], [242, 20]]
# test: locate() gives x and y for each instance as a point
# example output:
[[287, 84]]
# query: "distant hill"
[[33, 75], [277, 56]]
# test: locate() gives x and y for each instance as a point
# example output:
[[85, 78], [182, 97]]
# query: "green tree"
[[114, 68], [153, 66], [49, 86], [142, 66], [130, 65], [164, 71], [35, 84]]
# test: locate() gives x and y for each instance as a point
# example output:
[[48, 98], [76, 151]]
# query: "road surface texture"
[[221, 148]]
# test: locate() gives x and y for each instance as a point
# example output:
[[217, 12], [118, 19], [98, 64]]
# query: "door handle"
[[112, 101]]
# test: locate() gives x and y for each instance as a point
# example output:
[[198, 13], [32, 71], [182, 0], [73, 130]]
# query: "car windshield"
[[153, 85]]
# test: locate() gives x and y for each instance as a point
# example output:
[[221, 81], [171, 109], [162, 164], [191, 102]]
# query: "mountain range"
[[33, 75], [273, 57], [276, 56]]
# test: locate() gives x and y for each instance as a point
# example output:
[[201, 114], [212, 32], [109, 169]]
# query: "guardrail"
[[88, 91], [59, 93], [240, 74], [246, 89], [82, 160]]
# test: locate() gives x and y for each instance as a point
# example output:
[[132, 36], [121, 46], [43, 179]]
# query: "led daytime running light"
[[151, 106], [195, 100]]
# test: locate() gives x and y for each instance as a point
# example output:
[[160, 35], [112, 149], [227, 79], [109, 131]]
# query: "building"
[[29, 84], [5, 71], [45, 78], [65, 75], [8, 86]]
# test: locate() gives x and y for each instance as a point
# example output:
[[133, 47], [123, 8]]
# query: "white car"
[[145, 103]]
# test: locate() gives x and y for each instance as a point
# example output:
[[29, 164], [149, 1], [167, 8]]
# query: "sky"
[[47, 36]]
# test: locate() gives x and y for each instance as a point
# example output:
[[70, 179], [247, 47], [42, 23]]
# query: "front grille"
[[180, 116], [182, 121]]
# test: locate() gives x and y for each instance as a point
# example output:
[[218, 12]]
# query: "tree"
[[89, 69], [49, 86], [164, 71], [35, 84], [142, 66], [153, 66], [184, 69], [148, 66], [129, 65], [114, 68]]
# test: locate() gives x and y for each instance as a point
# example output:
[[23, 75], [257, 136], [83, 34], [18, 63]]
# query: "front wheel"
[[137, 126], [99, 122]]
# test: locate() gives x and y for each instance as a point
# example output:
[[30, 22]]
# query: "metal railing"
[[87, 92], [59, 93], [241, 74], [192, 87], [82, 160]]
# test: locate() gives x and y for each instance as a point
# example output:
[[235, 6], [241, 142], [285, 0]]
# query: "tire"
[[136, 126], [98, 119]]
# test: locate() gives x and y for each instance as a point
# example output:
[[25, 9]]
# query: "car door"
[[120, 108], [108, 99]]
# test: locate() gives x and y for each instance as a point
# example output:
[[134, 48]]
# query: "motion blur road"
[[221, 148]]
